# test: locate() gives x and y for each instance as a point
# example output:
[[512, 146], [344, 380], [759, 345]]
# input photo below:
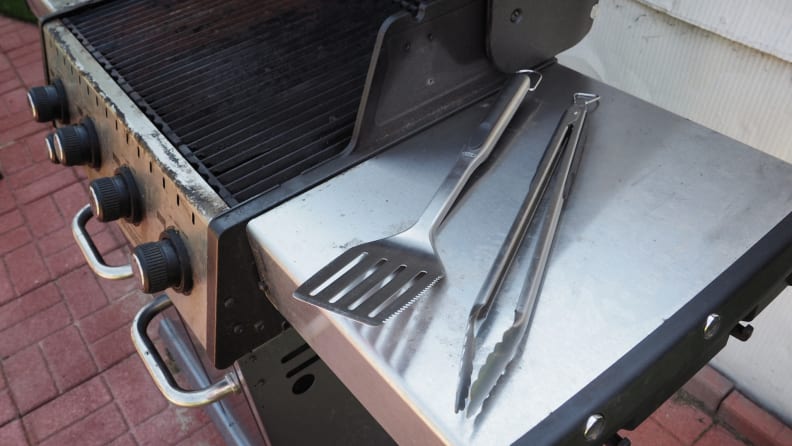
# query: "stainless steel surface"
[[661, 207], [92, 256], [33, 108], [174, 194], [44, 7], [568, 135], [49, 145], [231, 420], [159, 370], [373, 281]]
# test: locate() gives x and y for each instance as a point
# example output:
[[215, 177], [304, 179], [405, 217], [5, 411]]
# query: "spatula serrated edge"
[[412, 300]]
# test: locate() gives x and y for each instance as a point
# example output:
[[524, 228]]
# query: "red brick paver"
[[709, 387], [750, 420], [684, 421], [68, 372]]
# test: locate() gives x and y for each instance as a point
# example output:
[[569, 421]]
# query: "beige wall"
[[728, 73]]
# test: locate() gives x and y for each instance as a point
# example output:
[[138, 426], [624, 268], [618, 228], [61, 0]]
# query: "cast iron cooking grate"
[[252, 93]]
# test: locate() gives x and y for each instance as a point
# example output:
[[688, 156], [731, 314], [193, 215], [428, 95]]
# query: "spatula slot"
[[391, 275], [341, 271], [351, 280]]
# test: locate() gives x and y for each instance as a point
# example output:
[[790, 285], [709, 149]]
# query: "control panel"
[[138, 179]]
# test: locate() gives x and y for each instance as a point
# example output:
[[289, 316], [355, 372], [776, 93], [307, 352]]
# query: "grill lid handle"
[[91, 254], [159, 371]]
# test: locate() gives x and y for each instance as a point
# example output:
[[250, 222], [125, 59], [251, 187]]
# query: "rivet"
[[516, 16], [238, 329], [259, 326], [228, 303], [595, 425], [712, 325]]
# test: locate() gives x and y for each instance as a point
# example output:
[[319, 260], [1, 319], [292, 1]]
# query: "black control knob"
[[163, 264], [48, 103], [116, 197], [78, 144]]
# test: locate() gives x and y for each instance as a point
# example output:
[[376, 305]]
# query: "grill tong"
[[553, 175]]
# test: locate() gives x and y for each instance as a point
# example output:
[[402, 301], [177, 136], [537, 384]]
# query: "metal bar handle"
[[159, 371], [91, 254]]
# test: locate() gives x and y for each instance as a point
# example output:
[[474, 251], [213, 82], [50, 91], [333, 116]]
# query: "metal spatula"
[[374, 281]]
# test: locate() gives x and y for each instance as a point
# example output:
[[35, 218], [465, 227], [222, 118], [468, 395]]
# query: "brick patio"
[[69, 374], [69, 371]]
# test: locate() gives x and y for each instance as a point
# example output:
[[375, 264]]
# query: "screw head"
[[516, 16], [595, 425], [712, 325]]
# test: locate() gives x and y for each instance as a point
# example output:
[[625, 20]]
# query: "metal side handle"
[[91, 254], [159, 371]]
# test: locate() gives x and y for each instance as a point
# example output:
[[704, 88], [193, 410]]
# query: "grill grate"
[[252, 93]]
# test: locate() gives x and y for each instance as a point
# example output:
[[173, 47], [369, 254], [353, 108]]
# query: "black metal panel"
[[523, 33], [252, 93], [299, 401], [632, 388]]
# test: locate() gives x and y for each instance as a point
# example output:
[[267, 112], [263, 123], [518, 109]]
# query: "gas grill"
[[242, 145]]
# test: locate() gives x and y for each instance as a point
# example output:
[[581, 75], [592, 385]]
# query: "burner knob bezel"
[[48, 103], [163, 264], [78, 144], [49, 143], [116, 197]]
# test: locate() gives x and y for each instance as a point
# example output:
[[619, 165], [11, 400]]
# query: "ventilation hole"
[[178, 200], [302, 366], [116, 124], [138, 151], [106, 114], [151, 168], [294, 353], [302, 384], [97, 100], [127, 138], [163, 183], [193, 218]]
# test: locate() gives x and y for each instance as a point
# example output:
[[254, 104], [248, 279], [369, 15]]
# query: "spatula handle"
[[476, 151]]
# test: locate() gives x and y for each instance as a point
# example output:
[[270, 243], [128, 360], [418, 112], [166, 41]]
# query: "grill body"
[[222, 111]]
